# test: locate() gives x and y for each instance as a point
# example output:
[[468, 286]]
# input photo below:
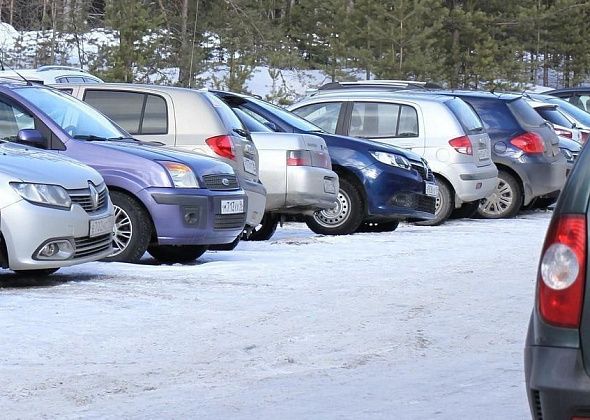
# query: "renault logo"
[[93, 196], [225, 181]]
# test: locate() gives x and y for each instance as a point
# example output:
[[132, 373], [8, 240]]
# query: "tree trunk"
[[183, 73]]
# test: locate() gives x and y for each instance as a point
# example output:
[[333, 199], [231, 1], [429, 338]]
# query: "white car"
[[54, 211], [48, 75]]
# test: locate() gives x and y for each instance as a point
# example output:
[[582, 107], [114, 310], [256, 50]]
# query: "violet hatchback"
[[172, 204]]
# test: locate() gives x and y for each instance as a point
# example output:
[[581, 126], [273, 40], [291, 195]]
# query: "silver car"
[[445, 131], [54, 211], [182, 118]]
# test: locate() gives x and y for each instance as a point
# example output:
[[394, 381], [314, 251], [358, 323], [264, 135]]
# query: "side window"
[[75, 79], [69, 91], [12, 120], [122, 107], [323, 115], [89, 80], [408, 122], [374, 120], [155, 117]]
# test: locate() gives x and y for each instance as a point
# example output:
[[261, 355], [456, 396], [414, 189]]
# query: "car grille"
[[86, 247], [216, 182], [426, 203], [423, 170], [84, 199], [229, 221], [418, 202]]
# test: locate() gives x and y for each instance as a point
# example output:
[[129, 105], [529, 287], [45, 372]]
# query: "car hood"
[[34, 165], [200, 164]]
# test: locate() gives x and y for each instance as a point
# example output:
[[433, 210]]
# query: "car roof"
[[430, 96], [570, 90]]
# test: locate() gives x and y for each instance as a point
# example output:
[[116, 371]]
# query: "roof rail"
[[56, 67], [380, 84]]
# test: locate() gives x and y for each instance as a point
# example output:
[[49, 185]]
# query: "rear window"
[[252, 124], [525, 113], [494, 114], [228, 117], [466, 116], [324, 115], [554, 116]]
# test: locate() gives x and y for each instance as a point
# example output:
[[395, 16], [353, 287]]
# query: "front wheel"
[[345, 218], [444, 206], [171, 254], [506, 200]]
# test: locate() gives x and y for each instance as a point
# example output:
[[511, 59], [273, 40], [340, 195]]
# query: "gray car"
[[54, 211]]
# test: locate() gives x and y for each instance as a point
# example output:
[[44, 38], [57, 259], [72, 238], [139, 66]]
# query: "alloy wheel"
[[499, 201], [122, 231]]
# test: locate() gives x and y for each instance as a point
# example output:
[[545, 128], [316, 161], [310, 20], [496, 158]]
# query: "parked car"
[[378, 184], [391, 85], [563, 125], [54, 211], [185, 119], [296, 171], [524, 148], [445, 131], [578, 96], [557, 356], [171, 203], [51, 74]]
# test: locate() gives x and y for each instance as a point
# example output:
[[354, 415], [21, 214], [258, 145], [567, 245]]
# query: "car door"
[[394, 123]]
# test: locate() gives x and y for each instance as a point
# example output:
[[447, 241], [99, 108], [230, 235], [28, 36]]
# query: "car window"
[[324, 115], [574, 111], [251, 123], [525, 113], [69, 91], [379, 120], [494, 114], [90, 80], [122, 107], [75, 79], [13, 119], [155, 116], [466, 116], [580, 101], [553, 115], [408, 122]]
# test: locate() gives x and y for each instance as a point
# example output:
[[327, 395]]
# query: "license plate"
[[232, 206], [483, 154], [250, 166], [431, 189], [329, 186], [101, 226]]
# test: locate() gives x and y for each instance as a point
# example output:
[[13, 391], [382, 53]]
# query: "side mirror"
[[271, 125], [31, 137]]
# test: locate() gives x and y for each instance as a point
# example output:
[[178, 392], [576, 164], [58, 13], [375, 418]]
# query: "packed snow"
[[423, 322]]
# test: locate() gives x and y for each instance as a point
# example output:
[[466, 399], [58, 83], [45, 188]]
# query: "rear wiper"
[[241, 132]]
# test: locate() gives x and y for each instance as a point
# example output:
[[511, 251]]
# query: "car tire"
[[543, 203], [466, 211], [133, 229], [36, 273], [376, 227], [171, 254], [345, 218], [505, 202], [445, 203], [266, 228]]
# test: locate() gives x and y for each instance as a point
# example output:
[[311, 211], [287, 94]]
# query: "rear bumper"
[[256, 201], [310, 189], [472, 182], [193, 217]]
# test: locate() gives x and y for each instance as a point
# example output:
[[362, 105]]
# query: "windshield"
[[73, 116], [251, 123], [579, 115], [288, 117]]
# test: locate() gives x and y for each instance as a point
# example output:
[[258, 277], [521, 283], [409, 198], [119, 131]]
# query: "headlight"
[[392, 159], [182, 176], [567, 153], [47, 195]]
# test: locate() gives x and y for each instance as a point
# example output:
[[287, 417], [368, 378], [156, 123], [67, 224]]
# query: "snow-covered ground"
[[418, 323]]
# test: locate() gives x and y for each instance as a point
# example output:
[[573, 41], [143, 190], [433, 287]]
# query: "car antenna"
[[28, 82]]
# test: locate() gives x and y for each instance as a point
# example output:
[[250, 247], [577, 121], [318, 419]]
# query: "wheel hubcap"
[[438, 203], [336, 216], [122, 231], [497, 203]]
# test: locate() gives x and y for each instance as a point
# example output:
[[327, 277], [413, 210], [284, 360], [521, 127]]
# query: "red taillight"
[[562, 271], [564, 133], [585, 135], [222, 145], [299, 158], [529, 143], [462, 145]]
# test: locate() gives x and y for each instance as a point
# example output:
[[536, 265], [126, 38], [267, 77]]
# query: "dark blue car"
[[379, 184]]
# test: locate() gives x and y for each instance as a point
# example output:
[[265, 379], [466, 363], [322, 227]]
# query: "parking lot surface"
[[418, 323]]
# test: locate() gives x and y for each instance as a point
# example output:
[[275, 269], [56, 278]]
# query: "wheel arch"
[[154, 234], [350, 176]]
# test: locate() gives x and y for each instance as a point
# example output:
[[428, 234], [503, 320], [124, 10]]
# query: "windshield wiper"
[[89, 137]]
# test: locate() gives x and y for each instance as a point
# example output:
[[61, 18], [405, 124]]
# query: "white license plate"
[[101, 226], [329, 186], [431, 189], [232, 206], [483, 154], [250, 166]]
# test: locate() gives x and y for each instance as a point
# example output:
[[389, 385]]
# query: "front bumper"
[[26, 227], [310, 189], [193, 216], [256, 201]]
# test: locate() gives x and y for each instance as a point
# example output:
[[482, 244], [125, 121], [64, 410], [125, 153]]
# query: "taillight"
[[585, 135], [322, 160], [562, 271], [299, 158], [564, 133], [222, 145], [462, 145], [529, 143]]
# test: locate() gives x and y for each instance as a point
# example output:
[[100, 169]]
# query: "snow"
[[418, 323]]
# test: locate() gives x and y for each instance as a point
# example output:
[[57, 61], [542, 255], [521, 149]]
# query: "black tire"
[[171, 254], [226, 247], [378, 226], [140, 230], [36, 273], [266, 228], [505, 202], [466, 211], [346, 217], [445, 203], [544, 202]]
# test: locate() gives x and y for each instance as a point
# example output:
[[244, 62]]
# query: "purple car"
[[172, 204]]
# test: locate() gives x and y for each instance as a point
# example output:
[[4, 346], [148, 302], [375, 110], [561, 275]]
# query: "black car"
[[578, 96], [557, 352]]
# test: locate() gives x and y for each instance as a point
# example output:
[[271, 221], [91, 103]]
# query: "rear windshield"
[[495, 114], [287, 117], [229, 119], [525, 113], [574, 111], [551, 114], [466, 116], [251, 123]]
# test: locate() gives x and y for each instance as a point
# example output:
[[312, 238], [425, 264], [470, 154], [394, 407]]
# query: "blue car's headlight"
[[182, 176], [392, 159]]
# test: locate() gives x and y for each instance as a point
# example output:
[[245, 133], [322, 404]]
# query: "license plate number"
[[250, 166], [101, 226], [329, 186], [431, 189], [232, 206], [483, 154]]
